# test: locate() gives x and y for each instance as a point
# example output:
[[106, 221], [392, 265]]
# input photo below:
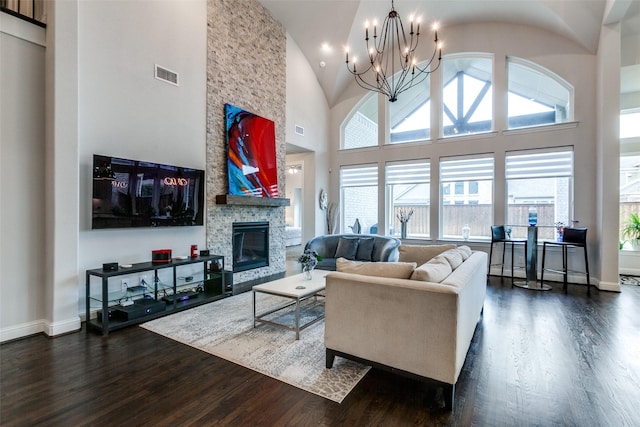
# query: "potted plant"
[[631, 230], [309, 259]]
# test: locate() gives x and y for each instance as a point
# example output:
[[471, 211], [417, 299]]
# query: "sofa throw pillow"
[[435, 270], [347, 248], [421, 254], [453, 256], [392, 270], [465, 251], [365, 249]]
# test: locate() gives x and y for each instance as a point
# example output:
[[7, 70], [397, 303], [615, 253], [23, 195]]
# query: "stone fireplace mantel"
[[228, 199]]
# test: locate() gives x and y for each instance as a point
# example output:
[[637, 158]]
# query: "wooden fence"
[[455, 215]]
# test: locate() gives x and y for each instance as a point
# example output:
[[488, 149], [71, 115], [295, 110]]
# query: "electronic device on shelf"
[[140, 307], [180, 296]]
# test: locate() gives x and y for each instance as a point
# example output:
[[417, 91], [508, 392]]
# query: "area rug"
[[225, 329], [629, 280]]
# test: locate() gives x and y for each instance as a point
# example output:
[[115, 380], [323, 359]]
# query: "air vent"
[[165, 75], [300, 130]]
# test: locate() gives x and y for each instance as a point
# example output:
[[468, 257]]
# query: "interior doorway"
[[293, 212]]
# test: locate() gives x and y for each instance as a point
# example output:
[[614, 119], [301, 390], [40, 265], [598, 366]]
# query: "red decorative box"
[[161, 256]]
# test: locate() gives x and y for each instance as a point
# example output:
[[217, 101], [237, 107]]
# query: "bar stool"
[[572, 238], [498, 235]]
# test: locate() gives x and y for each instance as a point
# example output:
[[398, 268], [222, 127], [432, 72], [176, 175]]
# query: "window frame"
[[443, 83], [478, 176], [545, 72], [364, 166], [545, 230], [390, 217]]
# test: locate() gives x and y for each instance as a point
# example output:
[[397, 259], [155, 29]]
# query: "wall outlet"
[[125, 284]]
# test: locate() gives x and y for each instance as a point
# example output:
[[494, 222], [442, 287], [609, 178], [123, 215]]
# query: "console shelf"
[[156, 297]]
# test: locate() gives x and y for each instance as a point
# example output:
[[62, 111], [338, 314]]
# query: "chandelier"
[[393, 65]]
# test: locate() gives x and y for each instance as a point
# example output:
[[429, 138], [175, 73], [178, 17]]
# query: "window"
[[629, 191], [541, 180], [467, 95], [459, 210], [410, 115], [359, 194], [361, 129], [408, 188], [629, 120], [536, 95]]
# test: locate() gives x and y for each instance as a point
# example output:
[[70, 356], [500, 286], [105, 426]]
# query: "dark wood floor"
[[537, 358]]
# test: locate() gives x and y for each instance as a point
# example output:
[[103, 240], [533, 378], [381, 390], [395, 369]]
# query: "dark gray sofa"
[[368, 247]]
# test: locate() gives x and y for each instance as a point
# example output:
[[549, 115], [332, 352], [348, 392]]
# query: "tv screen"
[[133, 193]]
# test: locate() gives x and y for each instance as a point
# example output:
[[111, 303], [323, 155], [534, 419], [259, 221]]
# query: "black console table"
[[149, 295]]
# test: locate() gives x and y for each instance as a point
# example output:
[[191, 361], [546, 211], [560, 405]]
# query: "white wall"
[[124, 111], [22, 177], [307, 107], [567, 59]]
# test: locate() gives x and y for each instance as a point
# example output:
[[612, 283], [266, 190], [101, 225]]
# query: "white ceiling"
[[338, 23]]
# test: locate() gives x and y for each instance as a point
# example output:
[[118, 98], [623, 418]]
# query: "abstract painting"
[[251, 154]]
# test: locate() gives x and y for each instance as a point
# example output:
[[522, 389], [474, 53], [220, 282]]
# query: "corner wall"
[[247, 70], [22, 176]]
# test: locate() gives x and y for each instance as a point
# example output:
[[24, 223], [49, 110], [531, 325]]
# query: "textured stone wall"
[[245, 67]]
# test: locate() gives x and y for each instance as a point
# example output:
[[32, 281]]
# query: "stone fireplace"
[[255, 83]]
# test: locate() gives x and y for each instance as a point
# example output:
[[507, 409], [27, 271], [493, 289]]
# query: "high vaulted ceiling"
[[338, 23]]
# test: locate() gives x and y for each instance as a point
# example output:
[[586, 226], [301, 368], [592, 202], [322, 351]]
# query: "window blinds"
[[470, 169], [361, 176], [539, 165], [408, 173]]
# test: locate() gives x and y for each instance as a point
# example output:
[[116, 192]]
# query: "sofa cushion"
[[453, 256], [365, 249], [347, 248], [394, 270], [421, 254], [465, 251], [435, 270]]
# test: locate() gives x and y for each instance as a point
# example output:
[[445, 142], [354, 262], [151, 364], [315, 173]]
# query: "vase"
[[466, 231], [307, 272], [403, 230]]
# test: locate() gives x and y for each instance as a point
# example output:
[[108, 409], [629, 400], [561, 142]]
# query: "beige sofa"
[[417, 328]]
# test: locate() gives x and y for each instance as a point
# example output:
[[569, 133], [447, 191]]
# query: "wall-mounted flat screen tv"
[[133, 193]]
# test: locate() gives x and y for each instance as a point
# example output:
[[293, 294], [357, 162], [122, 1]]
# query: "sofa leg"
[[448, 391], [330, 357]]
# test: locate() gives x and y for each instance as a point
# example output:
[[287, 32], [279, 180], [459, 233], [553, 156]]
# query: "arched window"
[[361, 127], [537, 96], [410, 115], [467, 94]]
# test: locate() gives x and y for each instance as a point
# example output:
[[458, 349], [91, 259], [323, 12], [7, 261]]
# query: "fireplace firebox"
[[250, 245]]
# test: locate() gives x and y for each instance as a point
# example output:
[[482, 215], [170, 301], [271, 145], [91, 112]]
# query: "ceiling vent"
[[166, 75], [300, 130]]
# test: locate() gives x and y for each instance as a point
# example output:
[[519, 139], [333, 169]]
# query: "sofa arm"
[[405, 324]]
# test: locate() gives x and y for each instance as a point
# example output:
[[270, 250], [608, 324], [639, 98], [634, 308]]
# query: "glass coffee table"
[[296, 289]]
